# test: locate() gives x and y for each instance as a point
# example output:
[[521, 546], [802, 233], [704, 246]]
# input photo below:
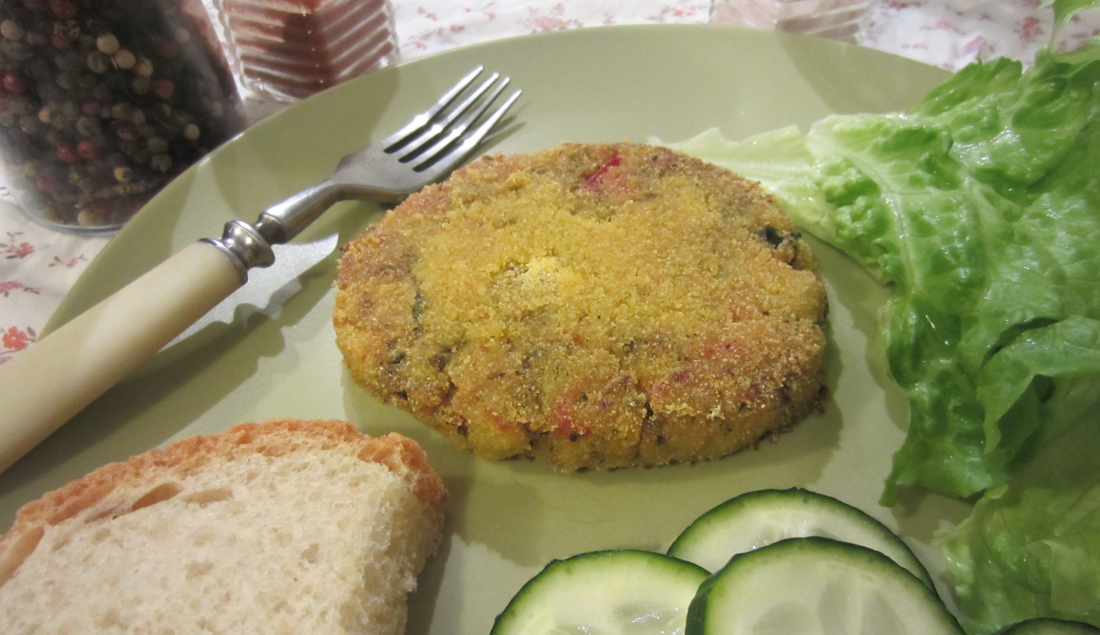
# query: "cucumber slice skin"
[[589, 578], [1050, 626], [715, 609], [712, 539]]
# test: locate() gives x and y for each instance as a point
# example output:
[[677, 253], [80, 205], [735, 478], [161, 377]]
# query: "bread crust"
[[119, 488], [592, 305]]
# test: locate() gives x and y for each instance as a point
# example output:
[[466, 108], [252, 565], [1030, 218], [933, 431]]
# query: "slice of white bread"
[[284, 527]]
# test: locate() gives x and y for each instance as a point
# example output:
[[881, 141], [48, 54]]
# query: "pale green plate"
[[506, 520]]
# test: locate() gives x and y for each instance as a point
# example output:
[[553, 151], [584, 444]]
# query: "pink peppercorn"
[[15, 83], [67, 153], [87, 150], [63, 9], [163, 88]]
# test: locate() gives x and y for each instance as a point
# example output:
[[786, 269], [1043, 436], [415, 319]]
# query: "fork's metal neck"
[[282, 222], [249, 246]]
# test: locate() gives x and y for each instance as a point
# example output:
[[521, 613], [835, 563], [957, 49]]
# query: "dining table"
[[39, 264], [651, 71]]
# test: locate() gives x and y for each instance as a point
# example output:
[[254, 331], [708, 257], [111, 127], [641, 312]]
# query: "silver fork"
[[55, 378], [429, 146]]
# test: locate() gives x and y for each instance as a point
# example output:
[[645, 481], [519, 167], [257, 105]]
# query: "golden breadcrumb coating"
[[595, 306]]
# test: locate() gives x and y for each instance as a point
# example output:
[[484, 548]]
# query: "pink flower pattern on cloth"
[[38, 266], [954, 33], [429, 27]]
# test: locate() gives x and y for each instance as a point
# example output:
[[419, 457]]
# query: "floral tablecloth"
[[38, 266]]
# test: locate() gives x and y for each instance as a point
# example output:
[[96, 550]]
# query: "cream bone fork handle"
[[55, 378]]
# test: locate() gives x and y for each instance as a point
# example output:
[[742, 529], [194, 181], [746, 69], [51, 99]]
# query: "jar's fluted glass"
[[290, 49]]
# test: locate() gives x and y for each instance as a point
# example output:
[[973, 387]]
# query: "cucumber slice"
[[759, 518], [814, 586], [1050, 626], [603, 593]]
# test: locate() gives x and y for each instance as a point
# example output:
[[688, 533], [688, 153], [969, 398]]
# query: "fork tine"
[[429, 136], [440, 143], [440, 163], [423, 119]]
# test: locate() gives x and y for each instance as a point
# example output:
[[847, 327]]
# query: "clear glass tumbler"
[[834, 19]]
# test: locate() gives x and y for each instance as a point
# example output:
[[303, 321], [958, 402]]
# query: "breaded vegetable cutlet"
[[594, 306]]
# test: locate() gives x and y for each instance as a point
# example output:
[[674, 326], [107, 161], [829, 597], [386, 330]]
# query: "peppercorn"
[[163, 88], [99, 62], [65, 80], [140, 85], [88, 126], [67, 60], [107, 44], [67, 153], [89, 217], [102, 94], [191, 132], [126, 131], [87, 150], [67, 30], [44, 183], [121, 110], [20, 105], [125, 59], [29, 124], [157, 145], [64, 9], [11, 30], [124, 173], [15, 83], [161, 162], [161, 111], [144, 67], [15, 50]]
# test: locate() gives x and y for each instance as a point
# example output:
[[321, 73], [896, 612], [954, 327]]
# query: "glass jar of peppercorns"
[[103, 102]]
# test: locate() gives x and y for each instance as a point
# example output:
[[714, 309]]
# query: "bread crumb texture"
[[595, 306], [285, 527]]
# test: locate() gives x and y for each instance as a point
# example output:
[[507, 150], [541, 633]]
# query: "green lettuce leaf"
[[979, 206], [1065, 9], [1032, 548]]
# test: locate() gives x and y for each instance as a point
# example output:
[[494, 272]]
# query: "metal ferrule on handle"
[[58, 376]]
